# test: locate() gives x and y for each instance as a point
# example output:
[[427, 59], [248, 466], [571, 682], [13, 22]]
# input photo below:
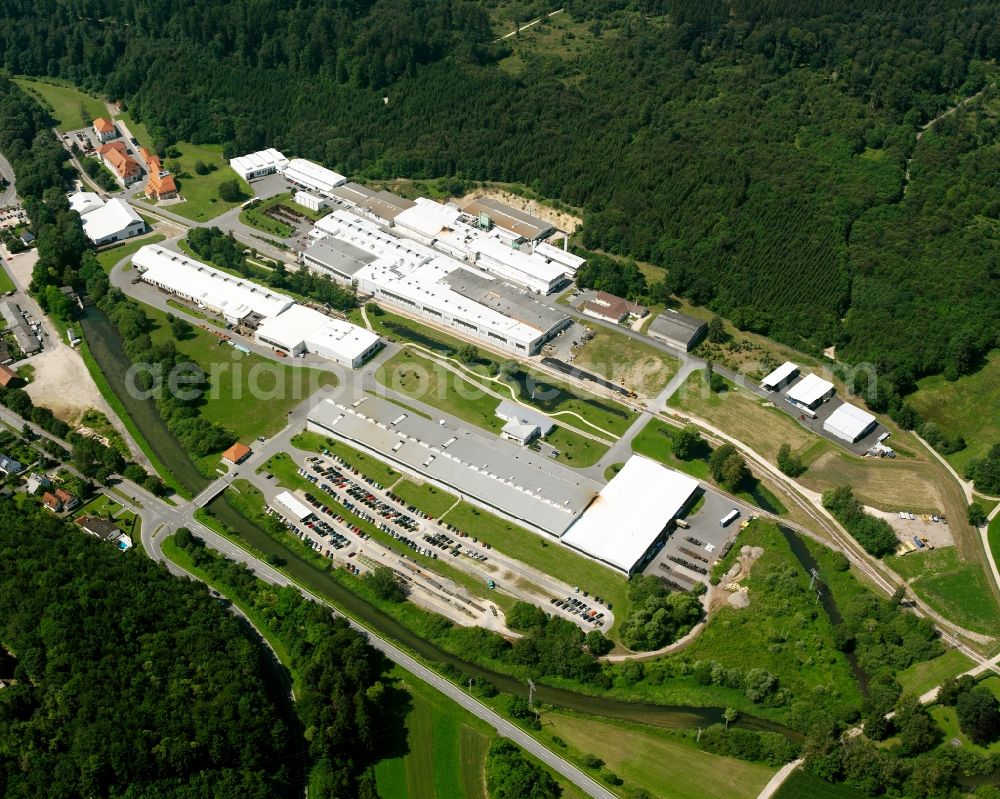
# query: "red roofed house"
[[161, 185], [105, 129], [7, 376], [66, 499], [237, 453], [51, 502], [611, 308], [115, 157]]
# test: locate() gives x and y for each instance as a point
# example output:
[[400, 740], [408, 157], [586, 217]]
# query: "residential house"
[[100, 528], [8, 376], [10, 466], [237, 453], [161, 185], [36, 482], [51, 501], [115, 157], [612, 309], [27, 238], [66, 499], [105, 129]]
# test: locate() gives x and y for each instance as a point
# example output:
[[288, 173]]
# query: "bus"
[[729, 518]]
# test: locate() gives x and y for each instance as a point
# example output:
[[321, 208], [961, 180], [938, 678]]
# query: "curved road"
[[9, 194]]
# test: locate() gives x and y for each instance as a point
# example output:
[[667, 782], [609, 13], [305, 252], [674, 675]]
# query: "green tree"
[[687, 443], [231, 191], [467, 353], [789, 464], [976, 514], [717, 330], [382, 580], [978, 715]]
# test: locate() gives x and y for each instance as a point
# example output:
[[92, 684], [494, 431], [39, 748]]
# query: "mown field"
[[109, 258], [72, 108], [967, 407], [957, 589], [654, 760], [626, 361], [921, 677], [805, 785]]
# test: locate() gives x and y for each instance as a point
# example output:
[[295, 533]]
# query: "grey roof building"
[[9, 465], [677, 329], [340, 259], [511, 302], [518, 484]]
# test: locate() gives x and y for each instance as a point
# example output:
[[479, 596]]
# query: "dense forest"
[[124, 680], [757, 150]]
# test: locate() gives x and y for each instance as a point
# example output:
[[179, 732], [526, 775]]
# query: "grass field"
[[366, 464], [958, 590], [921, 677], [250, 395], [993, 537], [746, 417], [6, 284], [72, 109], [969, 407], [201, 192], [427, 497], [543, 554], [109, 258], [626, 361], [443, 753], [657, 761], [423, 379], [890, 485], [804, 785]]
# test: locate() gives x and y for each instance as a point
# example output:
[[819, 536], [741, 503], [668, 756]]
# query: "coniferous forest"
[[757, 150]]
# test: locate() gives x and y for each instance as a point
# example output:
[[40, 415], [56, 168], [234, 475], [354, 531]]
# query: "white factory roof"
[[558, 255], [521, 265], [110, 218], [85, 201], [849, 422], [233, 296], [312, 175], [809, 390], [318, 331], [427, 217], [263, 159], [515, 482], [630, 512], [780, 374], [291, 503], [416, 273]]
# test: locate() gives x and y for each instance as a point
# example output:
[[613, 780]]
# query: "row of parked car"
[[578, 607]]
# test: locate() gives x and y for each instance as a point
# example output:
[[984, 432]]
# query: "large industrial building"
[[527, 488], [630, 516], [233, 298], [521, 223], [299, 330], [256, 165], [849, 423], [811, 391], [311, 176], [678, 330], [428, 284], [277, 320], [105, 223], [495, 250]]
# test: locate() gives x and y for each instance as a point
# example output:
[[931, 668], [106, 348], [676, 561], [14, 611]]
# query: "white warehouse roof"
[[849, 423], [630, 512], [427, 217], [312, 175], [84, 202], [298, 510], [111, 218], [558, 255], [319, 333], [232, 296], [810, 390], [269, 159], [779, 375]]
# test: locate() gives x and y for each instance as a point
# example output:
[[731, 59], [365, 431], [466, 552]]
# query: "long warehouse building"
[[233, 298], [299, 330], [527, 488], [428, 284]]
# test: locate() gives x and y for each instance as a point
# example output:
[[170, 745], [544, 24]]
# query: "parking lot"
[[689, 553]]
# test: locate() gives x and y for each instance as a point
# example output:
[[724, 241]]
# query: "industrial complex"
[[278, 321]]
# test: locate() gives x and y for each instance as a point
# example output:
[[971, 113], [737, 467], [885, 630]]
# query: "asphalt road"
[[9, 194]]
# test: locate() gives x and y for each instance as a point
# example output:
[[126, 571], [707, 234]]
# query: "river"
[[106, 345]]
